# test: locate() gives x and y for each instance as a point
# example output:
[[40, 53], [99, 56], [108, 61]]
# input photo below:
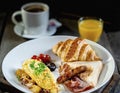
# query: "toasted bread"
[[75, 50], [92, 73]]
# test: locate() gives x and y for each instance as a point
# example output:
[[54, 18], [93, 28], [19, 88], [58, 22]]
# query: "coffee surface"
[[35, 9]]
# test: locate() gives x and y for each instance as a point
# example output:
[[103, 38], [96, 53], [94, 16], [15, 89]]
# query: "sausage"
[[70, 73]]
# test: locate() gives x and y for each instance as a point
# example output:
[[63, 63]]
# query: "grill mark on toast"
[[56, 47], [64, 68], [79, 49], [86, 52], [89, 54], [96, 58], [64, 53], [72, 50], [82, 51], [63, 46], [75, 50]]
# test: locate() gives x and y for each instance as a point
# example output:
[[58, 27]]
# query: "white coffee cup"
[[35, 17]]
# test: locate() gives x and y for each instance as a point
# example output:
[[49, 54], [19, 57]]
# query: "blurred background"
[[108, 10]]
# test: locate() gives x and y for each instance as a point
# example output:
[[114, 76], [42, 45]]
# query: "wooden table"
[[9, 40]]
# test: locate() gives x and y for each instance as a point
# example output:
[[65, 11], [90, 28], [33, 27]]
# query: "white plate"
[[20, 31], [14, 59]]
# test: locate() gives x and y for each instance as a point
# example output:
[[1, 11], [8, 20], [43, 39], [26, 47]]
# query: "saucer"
[[52, 28]]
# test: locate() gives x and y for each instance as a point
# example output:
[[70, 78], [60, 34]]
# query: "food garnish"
[[46, 59]]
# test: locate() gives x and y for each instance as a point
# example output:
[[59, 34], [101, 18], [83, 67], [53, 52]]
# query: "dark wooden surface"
[[2, 24], [9, 40]]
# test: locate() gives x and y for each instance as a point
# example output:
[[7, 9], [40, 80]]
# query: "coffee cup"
[[35, 18]]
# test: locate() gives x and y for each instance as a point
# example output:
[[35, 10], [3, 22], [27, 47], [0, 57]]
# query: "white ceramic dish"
[[14, 59], [52, 28]]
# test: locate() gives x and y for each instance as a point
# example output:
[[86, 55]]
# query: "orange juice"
[[90, 29]]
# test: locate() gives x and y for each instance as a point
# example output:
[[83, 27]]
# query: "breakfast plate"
[[14, 59]]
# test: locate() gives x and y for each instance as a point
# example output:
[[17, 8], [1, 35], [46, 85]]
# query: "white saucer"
[[19, 30]]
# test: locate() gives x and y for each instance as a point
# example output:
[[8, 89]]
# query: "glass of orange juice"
[[90, 28]]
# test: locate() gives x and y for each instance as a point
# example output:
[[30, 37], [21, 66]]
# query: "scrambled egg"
[[41, 74]]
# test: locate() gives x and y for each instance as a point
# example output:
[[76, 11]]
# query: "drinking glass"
[[90, 28]]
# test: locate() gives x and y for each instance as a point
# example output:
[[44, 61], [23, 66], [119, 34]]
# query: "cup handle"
[[14, 20]]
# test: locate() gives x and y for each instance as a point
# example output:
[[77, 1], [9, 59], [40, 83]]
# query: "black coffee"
[[35, 9]]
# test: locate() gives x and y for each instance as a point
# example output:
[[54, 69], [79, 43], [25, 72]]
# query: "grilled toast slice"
[[75, 50], [90, 75]]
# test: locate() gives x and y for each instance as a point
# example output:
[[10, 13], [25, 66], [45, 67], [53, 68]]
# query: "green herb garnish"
[[40, 67], [18, 77]]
